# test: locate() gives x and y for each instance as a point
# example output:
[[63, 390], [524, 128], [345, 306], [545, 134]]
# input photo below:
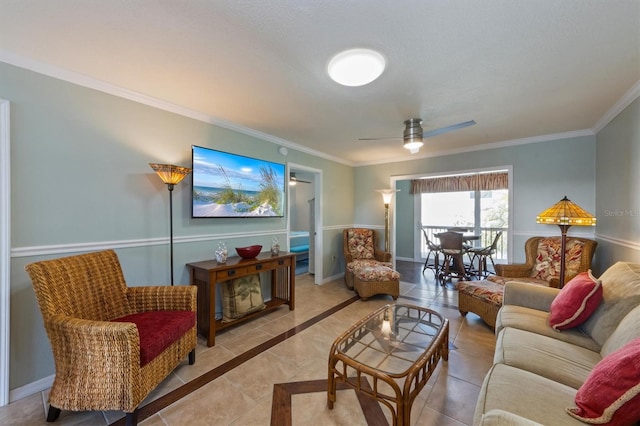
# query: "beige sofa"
[[537, 370]]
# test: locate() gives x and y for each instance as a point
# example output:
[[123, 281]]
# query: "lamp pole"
[[563, 250], [386, 227], [170, 187]]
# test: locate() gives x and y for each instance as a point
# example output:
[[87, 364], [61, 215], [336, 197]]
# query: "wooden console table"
[[208, 273]]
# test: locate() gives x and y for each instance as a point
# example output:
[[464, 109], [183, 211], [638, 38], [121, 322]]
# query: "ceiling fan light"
[[413, 144], [356, 67], [414, 150]]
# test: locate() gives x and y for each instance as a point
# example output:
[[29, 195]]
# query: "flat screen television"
[[231, 185]]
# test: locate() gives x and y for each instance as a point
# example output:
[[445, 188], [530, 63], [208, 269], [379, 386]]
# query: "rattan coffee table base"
[[395, 390]]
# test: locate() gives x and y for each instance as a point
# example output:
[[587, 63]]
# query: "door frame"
[[5, 250], [318, 225]]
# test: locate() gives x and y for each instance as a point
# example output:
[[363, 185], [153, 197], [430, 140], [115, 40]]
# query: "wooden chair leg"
[[53, 413], [192, 357], [131, 419]]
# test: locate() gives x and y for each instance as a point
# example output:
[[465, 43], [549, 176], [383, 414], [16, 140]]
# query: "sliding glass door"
[[482, 213]]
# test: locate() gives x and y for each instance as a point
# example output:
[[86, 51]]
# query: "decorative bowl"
[[248, 252]]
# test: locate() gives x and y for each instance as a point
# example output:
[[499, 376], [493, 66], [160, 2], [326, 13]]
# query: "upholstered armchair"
[[542, 265], [112, 344], [360, 248]]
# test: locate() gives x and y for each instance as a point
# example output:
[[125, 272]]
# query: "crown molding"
[[85, 81], [626, 99], [111, 89]]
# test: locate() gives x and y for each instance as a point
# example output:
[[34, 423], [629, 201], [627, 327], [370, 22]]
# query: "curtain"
[[475, 182]]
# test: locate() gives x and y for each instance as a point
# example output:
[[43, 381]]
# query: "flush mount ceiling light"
[[356, 67]]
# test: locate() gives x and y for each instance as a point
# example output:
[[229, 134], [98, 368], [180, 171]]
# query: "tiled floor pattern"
[[244, 395]]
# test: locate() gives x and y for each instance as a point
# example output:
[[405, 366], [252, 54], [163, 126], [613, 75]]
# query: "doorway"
[[304, 221]]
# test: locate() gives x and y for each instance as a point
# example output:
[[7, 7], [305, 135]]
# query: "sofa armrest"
[[529, 295], [162, 298]]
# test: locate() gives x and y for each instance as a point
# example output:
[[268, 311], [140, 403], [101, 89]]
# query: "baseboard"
[[31, 388], [333, 278]]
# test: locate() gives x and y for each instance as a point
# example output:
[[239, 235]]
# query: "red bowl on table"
[[248, 252]]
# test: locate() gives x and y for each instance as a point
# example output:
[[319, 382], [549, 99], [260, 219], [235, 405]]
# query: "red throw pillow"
[[611, 393], [575, 302]]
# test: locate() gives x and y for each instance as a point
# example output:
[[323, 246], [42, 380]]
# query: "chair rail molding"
[[5, 250]]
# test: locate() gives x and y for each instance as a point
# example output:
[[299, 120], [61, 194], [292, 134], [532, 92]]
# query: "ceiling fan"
[[413, 133], [293, 180]]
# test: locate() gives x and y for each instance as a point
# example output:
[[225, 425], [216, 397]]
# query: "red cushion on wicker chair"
[[576, 302], [158, 330], [611, 393]]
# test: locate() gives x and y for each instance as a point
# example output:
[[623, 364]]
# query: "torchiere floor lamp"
[[565, 213], [387, 195], [171, 175]]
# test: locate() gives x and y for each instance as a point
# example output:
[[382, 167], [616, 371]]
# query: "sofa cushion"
[[526, 395], [241, 297], [546, 356], [575, 302], [505, 418], [627, 330], [620, 294], [537, 321], [611, 393], [158, 330], [548, 258]]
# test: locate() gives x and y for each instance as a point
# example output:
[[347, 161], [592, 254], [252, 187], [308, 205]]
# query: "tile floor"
[[243, 396]]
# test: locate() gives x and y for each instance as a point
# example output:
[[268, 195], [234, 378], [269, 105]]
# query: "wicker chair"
[[105, 335], [542, 261], [368, 269], [484, 298]]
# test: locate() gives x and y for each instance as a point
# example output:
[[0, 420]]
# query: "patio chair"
[[433, 255]]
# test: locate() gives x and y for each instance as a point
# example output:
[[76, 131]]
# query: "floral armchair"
[[359, 246], [542, 265]]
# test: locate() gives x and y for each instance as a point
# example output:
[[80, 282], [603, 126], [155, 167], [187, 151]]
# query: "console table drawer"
[[230, 274]]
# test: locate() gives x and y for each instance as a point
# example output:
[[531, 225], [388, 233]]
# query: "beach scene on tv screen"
[[229, 185]]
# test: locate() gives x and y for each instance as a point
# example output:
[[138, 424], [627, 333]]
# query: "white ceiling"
[[520, 68]]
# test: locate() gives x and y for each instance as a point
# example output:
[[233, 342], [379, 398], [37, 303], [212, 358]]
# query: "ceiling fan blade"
[[377, 139], [442, 130], [293, 178]]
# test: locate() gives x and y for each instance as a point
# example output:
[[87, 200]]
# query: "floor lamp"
[[171, 175], [387, 195], [565, 213]]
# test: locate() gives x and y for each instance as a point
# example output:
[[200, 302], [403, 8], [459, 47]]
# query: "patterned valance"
[[475, 182]]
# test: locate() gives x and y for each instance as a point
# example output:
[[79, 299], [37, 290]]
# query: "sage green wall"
[[406, 225], [543, 173], [618, 188], [80, 181]]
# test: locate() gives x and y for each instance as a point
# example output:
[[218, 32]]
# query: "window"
[[482, 212]]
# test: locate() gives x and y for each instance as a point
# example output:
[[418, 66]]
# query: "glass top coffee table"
[[397, 347]]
